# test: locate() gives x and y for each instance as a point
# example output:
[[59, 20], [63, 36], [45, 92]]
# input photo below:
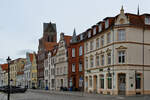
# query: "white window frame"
[[106, 23], [121, 35], [80, 67], [73, 67], [97, 60], [122, 55], [73, 52], [86, 62], [102, 41], [81, 37], [86, 47], [80, 51], [91, 62], [89, 33], [99, 27], [109, 37], [91, 45], [109, 58], [147, 20], [102, 60], [97, 43], [94, 30]]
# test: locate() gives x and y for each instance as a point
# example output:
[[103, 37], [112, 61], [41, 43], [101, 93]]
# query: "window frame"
[[80, 50], [109, 37], [73, 52], [73, 68], [120, 36], [121, 56]]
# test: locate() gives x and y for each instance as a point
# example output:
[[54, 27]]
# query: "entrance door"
[[122, 84], [61, 82], [95, 84]]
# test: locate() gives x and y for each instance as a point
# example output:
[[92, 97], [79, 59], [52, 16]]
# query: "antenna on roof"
[[138, 11]]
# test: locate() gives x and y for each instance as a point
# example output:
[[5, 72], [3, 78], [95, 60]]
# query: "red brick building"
[[76, 62], [46, 43]]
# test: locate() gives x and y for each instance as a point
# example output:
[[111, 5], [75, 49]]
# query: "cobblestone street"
[[46, 95]]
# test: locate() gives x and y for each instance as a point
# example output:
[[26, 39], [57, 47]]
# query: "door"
[[122, 84], [61, 82], [95, 84]]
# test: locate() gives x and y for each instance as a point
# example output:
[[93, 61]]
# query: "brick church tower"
[[46, 43]]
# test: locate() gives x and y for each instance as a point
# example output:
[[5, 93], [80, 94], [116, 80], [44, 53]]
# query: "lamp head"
[[8, 59]]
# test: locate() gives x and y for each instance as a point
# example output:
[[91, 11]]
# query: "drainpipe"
[[143, 57], [113, 62]]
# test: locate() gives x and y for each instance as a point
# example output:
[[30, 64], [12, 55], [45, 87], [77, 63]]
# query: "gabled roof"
[[31, 56], [4, 67]]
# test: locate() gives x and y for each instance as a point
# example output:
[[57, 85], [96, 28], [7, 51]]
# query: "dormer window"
[[81, 37], [106, 23], [89, 34], [147, 20], [94, 30], [100, 27]]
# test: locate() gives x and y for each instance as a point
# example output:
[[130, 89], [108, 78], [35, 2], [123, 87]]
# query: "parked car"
[[2, 88], [15, 89]]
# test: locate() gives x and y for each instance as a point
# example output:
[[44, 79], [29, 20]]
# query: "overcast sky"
[[21, 21]]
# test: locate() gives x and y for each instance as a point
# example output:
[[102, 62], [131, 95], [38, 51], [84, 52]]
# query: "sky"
[[21, 21]]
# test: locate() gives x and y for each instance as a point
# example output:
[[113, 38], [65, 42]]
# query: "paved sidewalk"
[[3, 96], [69, 93]]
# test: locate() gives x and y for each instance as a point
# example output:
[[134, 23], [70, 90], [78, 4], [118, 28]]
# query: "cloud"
[[23, 52]]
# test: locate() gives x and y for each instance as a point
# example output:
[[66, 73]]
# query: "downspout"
[[143, 57], [113, 62]]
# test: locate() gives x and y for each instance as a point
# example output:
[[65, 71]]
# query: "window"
[[106, 23], [102, 60], [121, 56], [86, 62], [80, 51], [90, 79], [81, 37], [121, 35], [138, 81], [109, 58], [97, 43], [91, 61], [102, 41], [109, 79], [94, 30], [80, 67], [86, 47], [100, 27], [91, 45], [102, 81], [89, 34], [97, 60], [73, 52], [147, 20], [108, 38], [73, 67]]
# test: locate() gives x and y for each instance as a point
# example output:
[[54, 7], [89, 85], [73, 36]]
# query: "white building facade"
[[61, 68], [117, 55]]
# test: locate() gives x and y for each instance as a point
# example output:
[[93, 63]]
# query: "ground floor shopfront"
[[119, 80]]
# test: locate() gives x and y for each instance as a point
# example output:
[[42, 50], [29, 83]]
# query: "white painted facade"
[[125, 75], [61, 69]]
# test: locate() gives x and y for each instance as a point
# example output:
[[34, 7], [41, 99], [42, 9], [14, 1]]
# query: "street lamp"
[[8, 61]]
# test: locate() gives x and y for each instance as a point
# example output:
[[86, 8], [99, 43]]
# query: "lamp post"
[[8, 61]]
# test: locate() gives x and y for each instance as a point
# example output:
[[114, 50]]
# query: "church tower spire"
[[122, 10], [138, 10], [74, 37]]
